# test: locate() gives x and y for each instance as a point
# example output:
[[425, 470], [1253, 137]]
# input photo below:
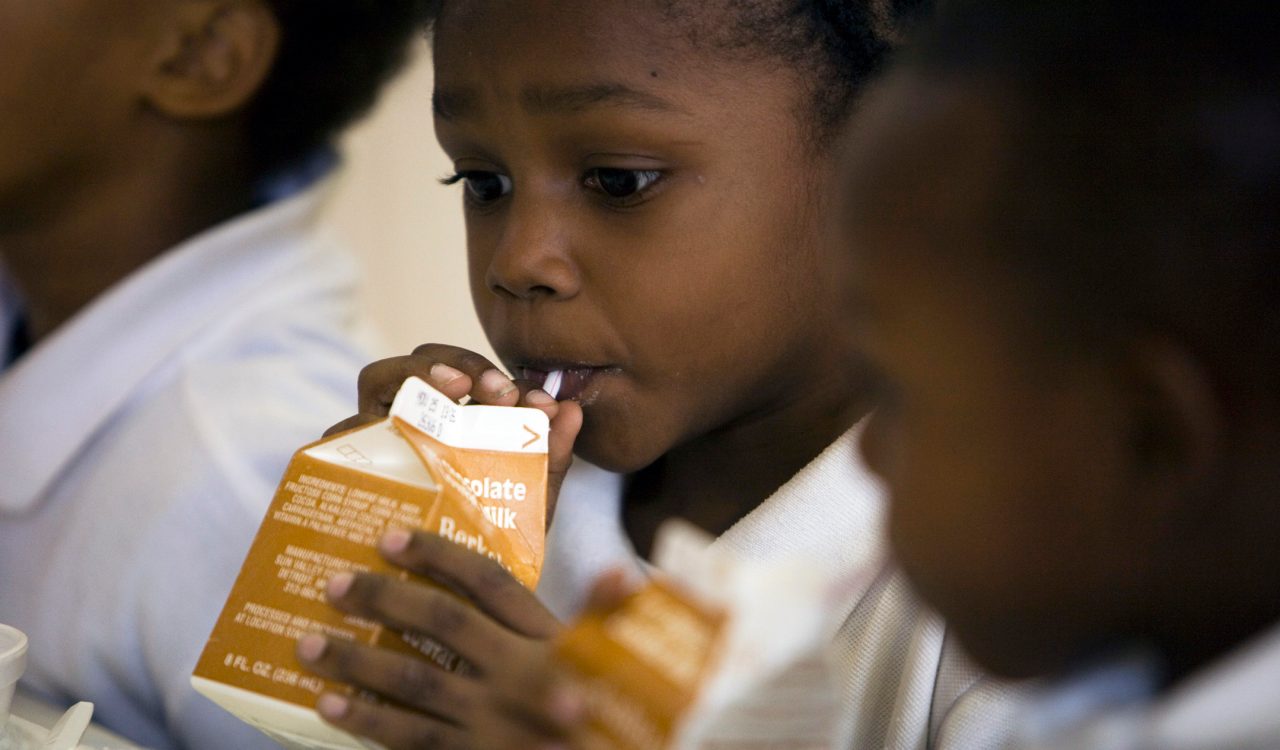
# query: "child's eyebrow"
[[451, 104], [560, 99]]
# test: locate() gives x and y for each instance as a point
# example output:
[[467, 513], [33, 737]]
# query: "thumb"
[[610, 590], [566, 423]]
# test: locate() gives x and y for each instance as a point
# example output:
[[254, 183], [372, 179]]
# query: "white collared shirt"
[[140, 444], [904, 685], [1233, 704]]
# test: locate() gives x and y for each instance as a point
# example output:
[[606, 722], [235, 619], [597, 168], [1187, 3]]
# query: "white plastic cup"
[[13, 661]]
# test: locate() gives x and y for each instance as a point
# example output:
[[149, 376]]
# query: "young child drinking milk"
[[649, 189]]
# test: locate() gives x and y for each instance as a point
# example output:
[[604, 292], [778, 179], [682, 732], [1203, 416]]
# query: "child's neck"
[[719, 478]]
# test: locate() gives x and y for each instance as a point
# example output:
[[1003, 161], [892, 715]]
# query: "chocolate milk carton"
[[713, 651], [476, 475]]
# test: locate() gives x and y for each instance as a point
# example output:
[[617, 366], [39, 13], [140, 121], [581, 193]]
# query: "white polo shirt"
[[140, 444]]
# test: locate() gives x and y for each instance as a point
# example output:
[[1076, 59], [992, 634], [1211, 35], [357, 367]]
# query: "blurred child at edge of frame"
[[172, 323], [1065, 225]]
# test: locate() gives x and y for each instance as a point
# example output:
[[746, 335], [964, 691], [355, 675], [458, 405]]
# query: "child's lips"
[[575, 379]]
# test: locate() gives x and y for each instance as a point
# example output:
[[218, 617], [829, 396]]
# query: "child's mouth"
[[566, 382]]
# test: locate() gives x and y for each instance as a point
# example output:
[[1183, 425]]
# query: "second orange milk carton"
[[476, 475], [714, 650]]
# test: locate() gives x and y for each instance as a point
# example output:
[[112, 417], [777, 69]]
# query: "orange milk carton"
[[476, 475], [711, 652]]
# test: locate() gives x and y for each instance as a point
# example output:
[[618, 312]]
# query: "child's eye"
[[622, 185], [482, 187]]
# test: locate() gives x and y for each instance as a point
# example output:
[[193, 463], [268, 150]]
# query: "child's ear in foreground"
[[213, 58], [1177, 421], [1169, 459]]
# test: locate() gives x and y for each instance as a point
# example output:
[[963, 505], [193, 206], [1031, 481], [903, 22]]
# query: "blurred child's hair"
[[1138, 183], [334, 56]]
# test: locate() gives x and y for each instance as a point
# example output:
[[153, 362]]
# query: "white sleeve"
[[237, 449]]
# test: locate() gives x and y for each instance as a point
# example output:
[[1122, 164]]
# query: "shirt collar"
[[11, 321], [831, 511], [1231, 703], [1094, 706], [64, 389]]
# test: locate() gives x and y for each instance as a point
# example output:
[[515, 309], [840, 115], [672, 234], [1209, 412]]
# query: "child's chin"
[[613, 447]]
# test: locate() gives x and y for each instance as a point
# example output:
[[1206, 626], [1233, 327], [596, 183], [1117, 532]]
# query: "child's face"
[[641, 212], [1000, 446]]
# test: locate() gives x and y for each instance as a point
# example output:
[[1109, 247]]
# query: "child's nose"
[[533, 256]]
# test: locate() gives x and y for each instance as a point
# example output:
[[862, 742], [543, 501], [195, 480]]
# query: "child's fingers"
[[565, 426], [532, 396], [428, 611], [410, 680], [391, 727], [379, 382], [483, 581], [545, 702], [609, 590], [514, 734], [488, 383], [565, 422]]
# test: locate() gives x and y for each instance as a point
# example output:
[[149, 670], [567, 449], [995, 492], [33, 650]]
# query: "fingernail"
[[395, 541], [443, 374], [312, 646], [496, 382], [539, 397], [565, 707], [339, 585], [333, 706]]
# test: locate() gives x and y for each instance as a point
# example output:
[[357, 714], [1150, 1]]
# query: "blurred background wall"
[[404, 227]]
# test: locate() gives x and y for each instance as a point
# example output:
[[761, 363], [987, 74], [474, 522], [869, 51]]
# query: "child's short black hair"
[[334, 55], [840, 44], [1138, 185]]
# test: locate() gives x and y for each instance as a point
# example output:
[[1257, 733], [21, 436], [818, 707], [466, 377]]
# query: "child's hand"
[[508, 699], [459, 373]]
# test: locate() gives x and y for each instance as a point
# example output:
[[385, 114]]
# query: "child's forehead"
[[567, 57], [661, 35], [574, 25]]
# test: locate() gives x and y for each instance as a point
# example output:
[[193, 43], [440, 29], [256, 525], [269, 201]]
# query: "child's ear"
[[1178, 418], [214, 57]]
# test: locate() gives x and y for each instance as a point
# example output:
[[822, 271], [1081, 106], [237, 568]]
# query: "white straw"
[[552, 383]]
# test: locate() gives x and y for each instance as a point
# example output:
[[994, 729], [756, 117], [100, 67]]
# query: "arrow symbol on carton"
[[536, 436]]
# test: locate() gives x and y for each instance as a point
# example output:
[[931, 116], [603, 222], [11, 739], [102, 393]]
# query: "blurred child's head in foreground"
[[1064, 233], [96, 92]]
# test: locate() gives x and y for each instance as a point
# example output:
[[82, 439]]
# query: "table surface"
[[39, 711]]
